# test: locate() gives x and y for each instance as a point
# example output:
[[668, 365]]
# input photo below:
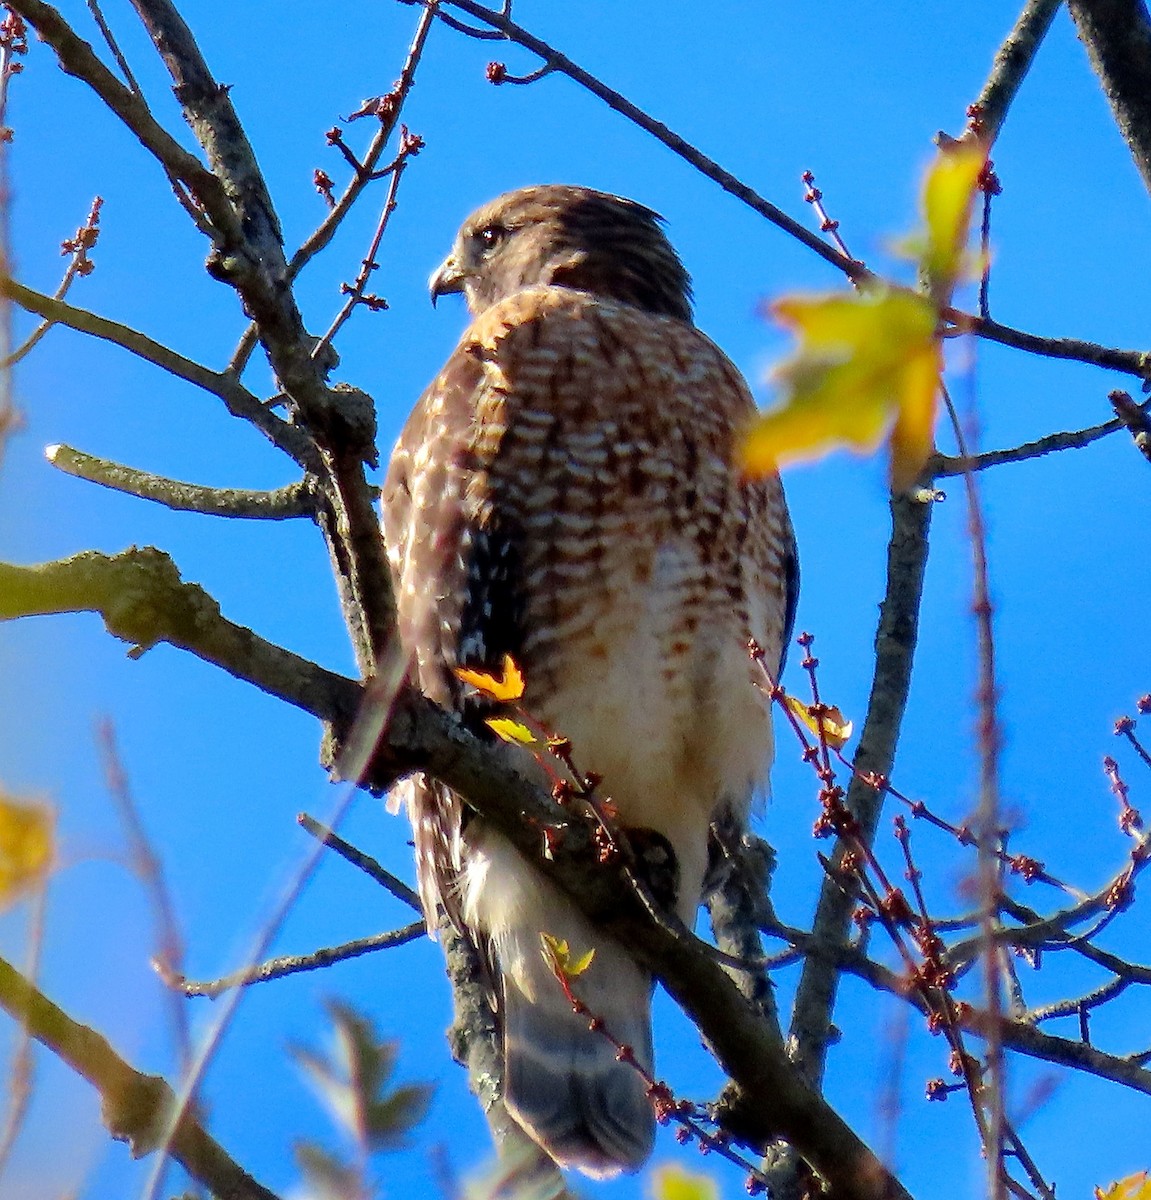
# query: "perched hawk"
[[567, 492]]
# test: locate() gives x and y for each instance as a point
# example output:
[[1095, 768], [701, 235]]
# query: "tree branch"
[[1015, 1035], [251, 259], [237, 399], [133, 1105], [944, 465], [557, 62], [295, 500], [1130, 362], [143, 600], [293, 964], [78, 59], [895, 641], [1012, 61], [1117, 36]]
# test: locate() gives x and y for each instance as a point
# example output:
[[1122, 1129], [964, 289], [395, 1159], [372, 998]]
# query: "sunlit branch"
[[294, 500], [133, 1105], [143, 601]]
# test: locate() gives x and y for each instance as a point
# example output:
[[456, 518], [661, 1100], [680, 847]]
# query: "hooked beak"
[[445, 279]]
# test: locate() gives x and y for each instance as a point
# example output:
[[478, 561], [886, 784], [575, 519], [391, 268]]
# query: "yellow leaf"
[[25, 847], [867, 364], [1134, 1187], [674, 1183], [507, 686], [516, 732], [949, 193], [557, 954], [836, 727]]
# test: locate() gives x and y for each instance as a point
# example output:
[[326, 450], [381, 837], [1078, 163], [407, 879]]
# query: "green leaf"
[[326, 1177], [354, 1084]]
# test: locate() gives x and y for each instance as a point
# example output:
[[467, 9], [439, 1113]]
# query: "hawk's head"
[[569, 237]]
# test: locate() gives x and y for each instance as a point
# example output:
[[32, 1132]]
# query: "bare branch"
[[133, 1105], [326, 230], [1013, 60], [1117, 35], [1130, 362], [944, 465], [143, 601], [150, 872], [1134, 417], [295, 500], [558, 62], [237, 399], [78, 59], [365, 862], [1016, 1035], [894, 650], [293, 964]]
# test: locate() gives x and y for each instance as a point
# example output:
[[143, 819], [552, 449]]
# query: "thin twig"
[[503, 24], [943, 465], [149, 870], [294, 500], [79, 264], [79, 60], [22, 1066], [292, 964], [237, 399], [358, 858], [1129, 362], [326, 230], [356, 292]]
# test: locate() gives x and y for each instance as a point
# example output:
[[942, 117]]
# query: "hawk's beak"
[[446, 278]]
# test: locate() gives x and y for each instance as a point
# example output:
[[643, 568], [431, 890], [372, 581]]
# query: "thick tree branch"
[[894, 651], [143, 600], [133, 1105], [295, 500], [1117, 35]]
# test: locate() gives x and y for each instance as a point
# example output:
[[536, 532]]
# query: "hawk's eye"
[[490, 235]]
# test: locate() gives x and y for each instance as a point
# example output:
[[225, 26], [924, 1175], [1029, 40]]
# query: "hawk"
[[567, 492]]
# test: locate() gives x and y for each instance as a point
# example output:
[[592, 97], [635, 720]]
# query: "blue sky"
[[853, 92]]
